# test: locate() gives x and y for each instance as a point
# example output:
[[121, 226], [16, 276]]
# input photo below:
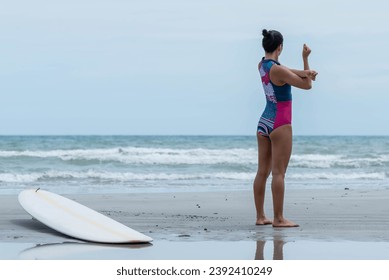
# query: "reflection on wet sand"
[[265, 247], [278, 249], [77, 250]]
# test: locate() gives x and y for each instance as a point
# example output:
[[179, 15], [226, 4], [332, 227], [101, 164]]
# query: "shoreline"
[[324, 216]]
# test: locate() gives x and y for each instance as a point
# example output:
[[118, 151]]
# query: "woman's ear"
[[279, 49]]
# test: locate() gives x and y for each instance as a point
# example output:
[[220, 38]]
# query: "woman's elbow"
[[307, 85]]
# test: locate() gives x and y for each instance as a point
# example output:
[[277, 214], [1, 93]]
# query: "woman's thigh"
[[281, 141], [264, 154]]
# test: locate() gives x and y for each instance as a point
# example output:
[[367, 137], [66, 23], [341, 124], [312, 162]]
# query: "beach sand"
[[207, 222]]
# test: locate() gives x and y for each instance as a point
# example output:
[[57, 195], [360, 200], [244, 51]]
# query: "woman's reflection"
[[278, 249]]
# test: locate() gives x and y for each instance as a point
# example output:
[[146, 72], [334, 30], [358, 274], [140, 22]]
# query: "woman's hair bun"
[[271, 40]]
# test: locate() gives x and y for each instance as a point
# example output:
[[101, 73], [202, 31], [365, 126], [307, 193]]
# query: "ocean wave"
[[338, 176], [334, 161], [198, 156], [123, 177], [133, 155], [118, 176], [314, 160]]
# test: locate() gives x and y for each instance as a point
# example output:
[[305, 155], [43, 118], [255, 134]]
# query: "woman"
[[274, 133]]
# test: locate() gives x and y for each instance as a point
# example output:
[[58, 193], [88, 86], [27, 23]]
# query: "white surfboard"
[[76, 220]]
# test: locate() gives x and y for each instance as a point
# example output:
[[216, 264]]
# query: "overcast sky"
[[187, 67]]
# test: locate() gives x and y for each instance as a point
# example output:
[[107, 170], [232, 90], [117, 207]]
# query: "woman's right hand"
[[311, 74]]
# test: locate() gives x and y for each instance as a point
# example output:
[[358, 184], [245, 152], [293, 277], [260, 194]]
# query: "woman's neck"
[[273, 56]]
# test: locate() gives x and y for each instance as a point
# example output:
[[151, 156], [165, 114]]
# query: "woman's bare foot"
[[263, 221], [284, 223]]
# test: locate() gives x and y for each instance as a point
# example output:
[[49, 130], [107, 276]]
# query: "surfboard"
[[76, 220]]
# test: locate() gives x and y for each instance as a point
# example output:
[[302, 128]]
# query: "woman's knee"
[[278, 173], [263, 173]]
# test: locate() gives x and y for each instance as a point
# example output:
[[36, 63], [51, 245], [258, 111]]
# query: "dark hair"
[[271, 40]]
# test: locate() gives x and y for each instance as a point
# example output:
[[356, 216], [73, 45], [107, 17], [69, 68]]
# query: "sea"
[[143, 164]]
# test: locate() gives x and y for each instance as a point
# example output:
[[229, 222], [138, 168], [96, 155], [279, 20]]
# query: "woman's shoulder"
[[279, 68]]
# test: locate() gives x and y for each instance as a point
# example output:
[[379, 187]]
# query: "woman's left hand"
[[306, 51]]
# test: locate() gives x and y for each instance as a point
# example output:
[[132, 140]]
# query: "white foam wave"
[[103, 176], [314, 161], [338, 176], [151, 156], [330, 161], [118, 176], [134, 155]]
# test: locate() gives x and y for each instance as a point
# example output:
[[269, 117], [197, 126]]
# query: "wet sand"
[[349, 218]]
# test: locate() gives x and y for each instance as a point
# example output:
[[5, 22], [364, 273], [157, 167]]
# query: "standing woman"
[[274, 133]]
